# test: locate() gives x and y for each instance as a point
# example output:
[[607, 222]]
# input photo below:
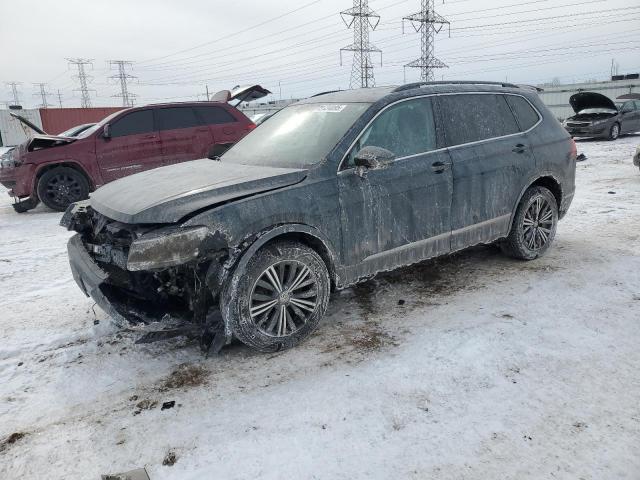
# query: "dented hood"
[[168, 194], [583, 100]]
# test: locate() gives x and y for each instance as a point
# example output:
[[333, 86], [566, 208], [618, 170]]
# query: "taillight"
[[574, 150], [250, 127]]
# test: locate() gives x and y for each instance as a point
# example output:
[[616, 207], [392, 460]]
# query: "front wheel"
[[61, 186], [534, 225], [279, 298]]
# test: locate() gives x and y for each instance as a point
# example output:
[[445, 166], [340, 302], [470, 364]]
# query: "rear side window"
[[134, 123], [177, 117], [405, 129], [475, 117], [214, 115], [637, 102], [524, 112]]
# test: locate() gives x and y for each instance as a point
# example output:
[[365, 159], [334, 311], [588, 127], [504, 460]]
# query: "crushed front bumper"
[[90, 277]]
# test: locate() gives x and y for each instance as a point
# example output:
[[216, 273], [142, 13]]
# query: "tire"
[[252, 290], [61, 186], [614, 132], [529, 237]]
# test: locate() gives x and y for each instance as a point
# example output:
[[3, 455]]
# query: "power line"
[[428, 23], [361, 20], [83, 79], [123, 77], [278, 17], [42, 93]]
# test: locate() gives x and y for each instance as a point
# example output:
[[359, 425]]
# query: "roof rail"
[[411, 86], [325, 93]]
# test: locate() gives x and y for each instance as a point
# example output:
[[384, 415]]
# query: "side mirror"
[[373, 157], [106, 131]]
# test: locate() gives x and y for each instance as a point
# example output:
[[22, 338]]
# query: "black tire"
[[245, 293], [61, 186], [614, 131], [531, 235], [25, 205]]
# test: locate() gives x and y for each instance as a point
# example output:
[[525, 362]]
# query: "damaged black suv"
[[328, 192]]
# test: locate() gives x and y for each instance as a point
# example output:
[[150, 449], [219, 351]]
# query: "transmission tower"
[[14, 92], [43, 94], [123, 77], [83, 79], [428, 23], [362, 18]]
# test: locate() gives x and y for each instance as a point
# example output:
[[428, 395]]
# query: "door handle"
[[519, 148], [438, 167], [148, 136]]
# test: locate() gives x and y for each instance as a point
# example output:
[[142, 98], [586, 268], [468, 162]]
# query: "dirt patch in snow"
[[11, 440], [185, 376]]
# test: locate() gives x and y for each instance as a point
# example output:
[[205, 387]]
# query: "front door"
[[631, 117], [492, 160], [398, 213], [184, 136], [133, 146]]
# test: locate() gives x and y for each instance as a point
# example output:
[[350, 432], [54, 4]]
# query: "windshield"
[[89, 131], [74, 131], [298, 136]]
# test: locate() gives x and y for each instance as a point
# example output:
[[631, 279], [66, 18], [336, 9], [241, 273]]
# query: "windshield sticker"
[[329, 108]]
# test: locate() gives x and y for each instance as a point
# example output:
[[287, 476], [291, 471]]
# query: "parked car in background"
[[599, 116], [327, 193], [59, 170]]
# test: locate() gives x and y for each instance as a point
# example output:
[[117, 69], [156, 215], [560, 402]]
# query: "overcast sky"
[[179, 47]]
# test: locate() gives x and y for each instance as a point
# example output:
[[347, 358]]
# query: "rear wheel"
[[279, 298], [614, 132], [61, 186], [534, 226]]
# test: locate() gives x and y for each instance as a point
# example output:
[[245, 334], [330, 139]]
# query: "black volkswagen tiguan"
[[328, 192]]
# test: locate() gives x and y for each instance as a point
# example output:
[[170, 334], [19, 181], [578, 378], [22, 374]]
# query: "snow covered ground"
[[471, 367]]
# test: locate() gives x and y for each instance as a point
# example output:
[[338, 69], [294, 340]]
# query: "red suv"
[[61, 170]]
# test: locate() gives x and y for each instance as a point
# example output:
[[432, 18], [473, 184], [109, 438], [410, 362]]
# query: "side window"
[[637, 102], [214, 115], [134, 123], [177, 117], [406, 128], [474, 117], [524, 112], [627, 107]]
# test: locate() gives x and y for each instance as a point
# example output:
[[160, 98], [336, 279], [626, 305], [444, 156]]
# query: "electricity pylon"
[[428, 23], [362, 18]]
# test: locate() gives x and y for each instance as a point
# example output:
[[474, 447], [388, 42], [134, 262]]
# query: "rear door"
[[224, 127], [492, 161], [133, 146], [399, 213], [184, 137]]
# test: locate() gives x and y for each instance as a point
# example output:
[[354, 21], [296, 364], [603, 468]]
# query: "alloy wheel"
[[537, 223], [283, 298], [63, 189], [615, 131]]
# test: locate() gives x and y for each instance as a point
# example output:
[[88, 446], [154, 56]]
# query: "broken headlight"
[[9, 159], [167, 247]]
